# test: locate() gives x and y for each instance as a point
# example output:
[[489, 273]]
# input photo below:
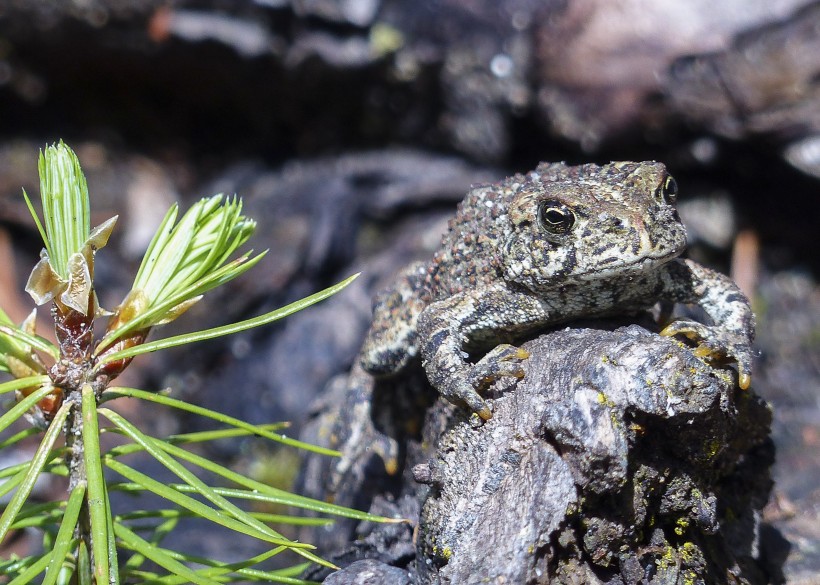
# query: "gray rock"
[[368, 572]]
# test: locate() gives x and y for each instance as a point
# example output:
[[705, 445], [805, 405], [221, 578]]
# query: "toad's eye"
[[669, 192], [555, 217]]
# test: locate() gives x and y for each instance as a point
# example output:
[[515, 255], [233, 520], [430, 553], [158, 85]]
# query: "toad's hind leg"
[[392, 341]]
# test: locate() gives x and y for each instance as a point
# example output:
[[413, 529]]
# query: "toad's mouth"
[[619, 266]]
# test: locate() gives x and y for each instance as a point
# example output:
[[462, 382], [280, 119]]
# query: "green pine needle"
[[190, 255], [230, 329], [66, 209]]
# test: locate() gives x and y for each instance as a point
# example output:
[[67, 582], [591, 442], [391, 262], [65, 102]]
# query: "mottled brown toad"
[[561, 243]]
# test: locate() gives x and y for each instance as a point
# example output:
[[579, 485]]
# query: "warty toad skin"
[[560, 243]]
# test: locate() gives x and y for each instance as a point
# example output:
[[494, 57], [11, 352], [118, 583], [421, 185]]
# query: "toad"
[[558, 244]]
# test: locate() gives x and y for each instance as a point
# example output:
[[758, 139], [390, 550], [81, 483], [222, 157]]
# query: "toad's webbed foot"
[[460, 386], [451, 326], [354, 434], [504, 360], [715, 343]]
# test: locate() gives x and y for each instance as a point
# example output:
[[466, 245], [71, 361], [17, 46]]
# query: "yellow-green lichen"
[[688, 552], [668, 559], [681, 525], [445, 552]]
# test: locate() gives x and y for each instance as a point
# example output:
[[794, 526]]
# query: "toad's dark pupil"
[[670, 190], [555, 217]]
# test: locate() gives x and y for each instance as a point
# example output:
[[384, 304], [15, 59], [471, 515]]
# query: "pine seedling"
[[62, 389]]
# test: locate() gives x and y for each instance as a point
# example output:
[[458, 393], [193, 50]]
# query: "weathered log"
[[619, 458]]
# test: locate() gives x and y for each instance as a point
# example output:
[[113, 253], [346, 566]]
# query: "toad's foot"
[[354, 434], [505, 360], [716, 344], [363, 443]]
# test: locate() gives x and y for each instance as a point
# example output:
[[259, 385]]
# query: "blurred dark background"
[[352, 127]]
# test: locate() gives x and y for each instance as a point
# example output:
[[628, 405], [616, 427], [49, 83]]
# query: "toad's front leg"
[[733, 329], [446, 327]]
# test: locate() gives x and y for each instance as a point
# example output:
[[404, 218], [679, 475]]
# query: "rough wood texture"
[[619, 458]]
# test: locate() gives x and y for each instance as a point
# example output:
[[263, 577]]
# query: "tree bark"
[[619, 458]]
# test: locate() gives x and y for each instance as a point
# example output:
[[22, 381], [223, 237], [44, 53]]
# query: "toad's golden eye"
[[668, 193], [555, 218]]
